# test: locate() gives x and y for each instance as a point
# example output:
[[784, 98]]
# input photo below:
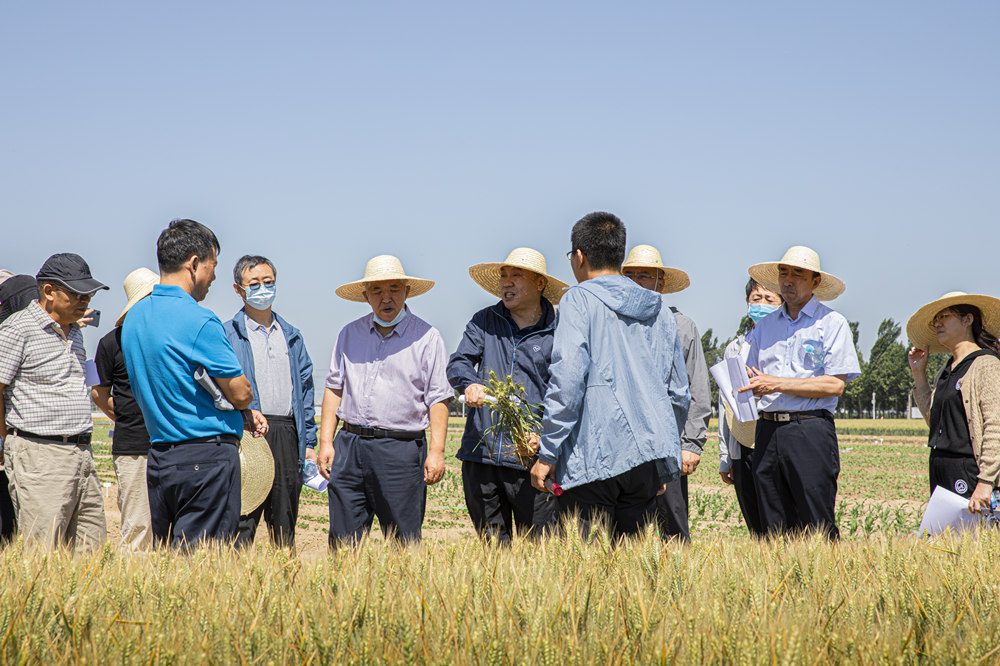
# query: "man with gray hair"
[[274, 359]]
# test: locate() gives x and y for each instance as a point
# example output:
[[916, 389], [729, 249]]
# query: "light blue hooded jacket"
[[618, 392]]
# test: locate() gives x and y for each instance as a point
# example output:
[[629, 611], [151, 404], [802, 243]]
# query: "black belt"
[[287, 420], [82, 438], [785, 417], [373, 433], [214, 439]]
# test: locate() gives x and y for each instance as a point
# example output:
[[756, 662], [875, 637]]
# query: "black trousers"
[[194, 492], [672, 511], [8, 519], [501, 500], [623, 504], [280, 509], [795, 468], [746, 491], [953, 472], [381, 477]]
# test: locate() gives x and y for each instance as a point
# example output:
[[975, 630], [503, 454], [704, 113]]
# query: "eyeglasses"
[[641, 276], [73, 296], [940, 317], [569, 255], [269, 283]]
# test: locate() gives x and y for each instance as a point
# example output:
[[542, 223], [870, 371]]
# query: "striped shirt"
[[44, 373]]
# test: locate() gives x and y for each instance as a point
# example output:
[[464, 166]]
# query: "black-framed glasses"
[[569, 255]]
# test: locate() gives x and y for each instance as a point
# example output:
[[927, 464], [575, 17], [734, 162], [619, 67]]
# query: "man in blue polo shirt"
[[193, 470]]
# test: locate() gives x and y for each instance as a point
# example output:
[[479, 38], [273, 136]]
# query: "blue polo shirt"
[[165, 337]]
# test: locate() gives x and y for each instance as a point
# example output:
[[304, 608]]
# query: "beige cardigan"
[[980, 389]]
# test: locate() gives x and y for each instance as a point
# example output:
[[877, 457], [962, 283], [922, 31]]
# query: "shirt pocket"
[[810, 355]]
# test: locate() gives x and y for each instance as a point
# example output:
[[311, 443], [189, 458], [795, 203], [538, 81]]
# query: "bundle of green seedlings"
[[514, 419]]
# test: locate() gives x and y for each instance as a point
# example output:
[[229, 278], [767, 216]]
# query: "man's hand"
[[254, 422], [727, 477], [540, 472], [662, 489], [689, 462], [475, 395], [324, 459], [311, 454], [761, 384], [980, 500], [433, 467]]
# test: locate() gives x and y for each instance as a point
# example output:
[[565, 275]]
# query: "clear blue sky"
[[323, 133]]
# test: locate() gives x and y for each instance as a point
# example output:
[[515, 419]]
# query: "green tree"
[[857, 393], [713, 351], [890, 376]]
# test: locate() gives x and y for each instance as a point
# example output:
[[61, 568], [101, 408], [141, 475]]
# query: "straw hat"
[[921, 332], [138, 285], [647, 256], [745, 433], [487, 276], [382, 267], [800, 257], [256, 472]]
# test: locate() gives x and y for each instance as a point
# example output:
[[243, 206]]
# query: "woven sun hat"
[[921, 331], [647, 256], [798, 256], [138, 285], [487, 276], [382, 267], [745, 433], [256, 472]]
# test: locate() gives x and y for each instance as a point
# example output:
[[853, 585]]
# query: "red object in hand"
[[553, 487]]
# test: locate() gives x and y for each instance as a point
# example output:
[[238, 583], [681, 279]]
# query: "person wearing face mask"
[[736, 439], [962, 406], [275, 360], [645, 267], [511, 337], [387, 384]]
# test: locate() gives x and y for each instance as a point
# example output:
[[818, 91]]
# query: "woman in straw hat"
[[511, 337], [387, 384], [644, 266], [130, 441], [962, 407]]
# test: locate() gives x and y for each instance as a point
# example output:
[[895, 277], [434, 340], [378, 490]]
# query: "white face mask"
[[389, 324], [261, 296]]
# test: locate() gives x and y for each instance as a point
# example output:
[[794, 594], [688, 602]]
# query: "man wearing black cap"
[[46, 407]]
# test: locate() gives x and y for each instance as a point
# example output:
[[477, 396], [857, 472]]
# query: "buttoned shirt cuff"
[[693, 447]]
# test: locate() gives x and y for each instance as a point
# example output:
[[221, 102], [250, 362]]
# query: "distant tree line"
[[886, 373]]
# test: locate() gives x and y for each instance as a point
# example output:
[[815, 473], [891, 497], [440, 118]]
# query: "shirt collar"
[[42, 317], [251, 324], [398, 329], [809, 309]]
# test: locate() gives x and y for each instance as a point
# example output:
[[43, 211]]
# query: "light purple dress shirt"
[[818, 342], [389, 382]]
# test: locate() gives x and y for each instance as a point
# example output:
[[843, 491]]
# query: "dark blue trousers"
[[376, 477], [194, 492]]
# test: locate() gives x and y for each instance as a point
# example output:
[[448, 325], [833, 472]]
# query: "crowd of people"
[[615, 374]]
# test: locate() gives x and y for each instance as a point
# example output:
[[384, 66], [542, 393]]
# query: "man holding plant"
[[511, 338]]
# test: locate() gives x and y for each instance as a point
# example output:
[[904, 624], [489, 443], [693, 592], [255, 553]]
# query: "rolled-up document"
[[201, 376], [311, 478]]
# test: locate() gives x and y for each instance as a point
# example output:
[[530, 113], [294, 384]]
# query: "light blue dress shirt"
[[818, 342]]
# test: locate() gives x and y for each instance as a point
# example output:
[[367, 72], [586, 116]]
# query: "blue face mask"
[[260, 296], [390, 324], [758, 311]]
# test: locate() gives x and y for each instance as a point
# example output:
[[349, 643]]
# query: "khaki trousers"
[[133, 502], [56, 493]]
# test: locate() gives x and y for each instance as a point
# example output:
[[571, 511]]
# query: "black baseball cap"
[[71, 271]]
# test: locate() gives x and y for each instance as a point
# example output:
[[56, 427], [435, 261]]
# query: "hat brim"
[[830, 287], [745, 433], [256, 472], [674, 279], [920, 333], [355, 291], [132, 301], [83, 286], [487, 276]]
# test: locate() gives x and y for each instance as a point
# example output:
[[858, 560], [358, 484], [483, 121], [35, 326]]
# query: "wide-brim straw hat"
[[921, 332], [798, 256], [647, 256], [382, 267], [745, 433], [138, 285], [256, 472], [487, 275]]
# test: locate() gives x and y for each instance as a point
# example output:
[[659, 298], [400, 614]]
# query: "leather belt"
[[786, 417], [378, 433], [211, 439], [82, 438]]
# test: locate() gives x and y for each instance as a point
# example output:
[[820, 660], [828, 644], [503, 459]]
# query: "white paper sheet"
[[730, 374], [946, 509]]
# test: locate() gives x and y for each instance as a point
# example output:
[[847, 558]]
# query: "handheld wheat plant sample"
[[515, 422]]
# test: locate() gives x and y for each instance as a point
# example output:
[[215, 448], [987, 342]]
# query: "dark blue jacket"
[[303, 409], [491, 342]]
